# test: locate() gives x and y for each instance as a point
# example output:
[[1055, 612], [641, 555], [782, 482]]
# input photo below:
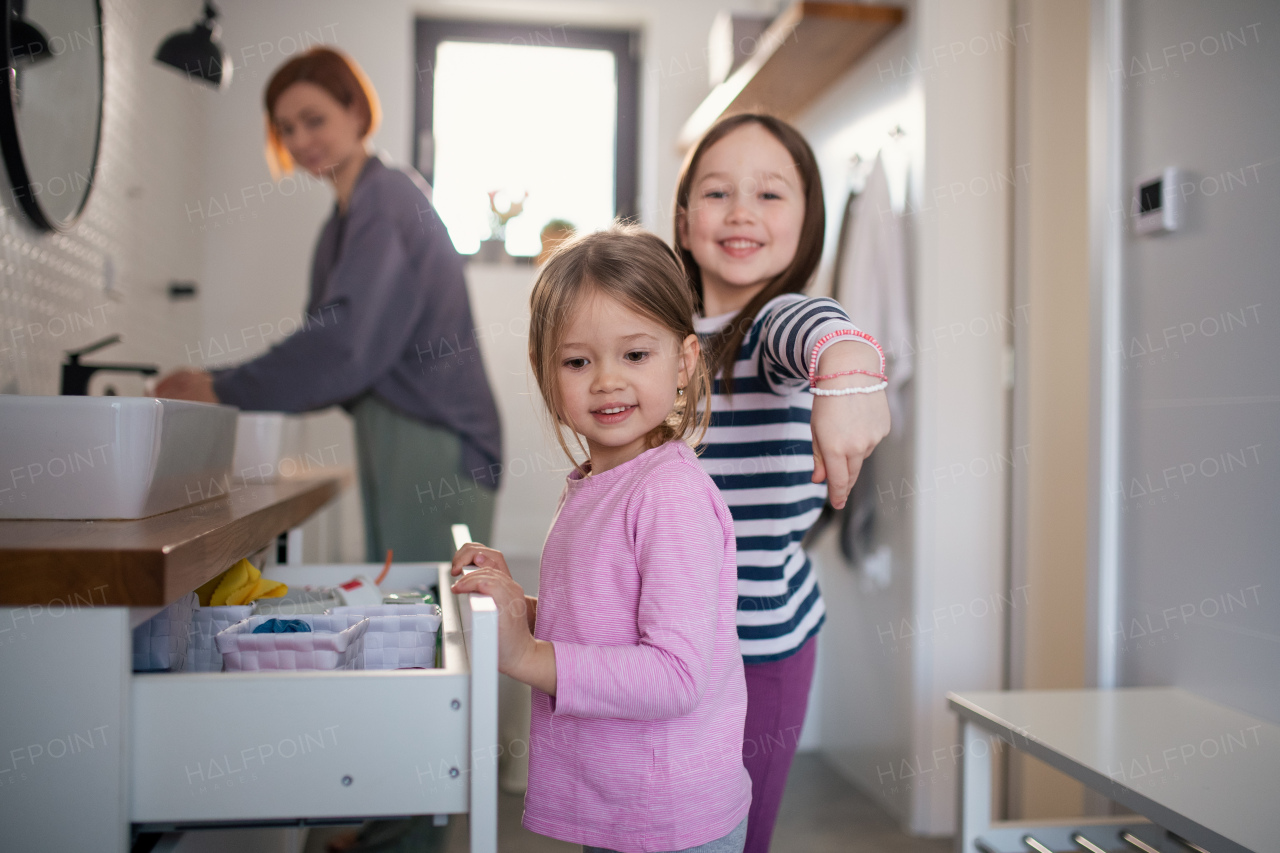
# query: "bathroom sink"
[[110, 457], [268, 446]]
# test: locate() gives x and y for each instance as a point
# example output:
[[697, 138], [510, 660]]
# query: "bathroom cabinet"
[[92, 754]]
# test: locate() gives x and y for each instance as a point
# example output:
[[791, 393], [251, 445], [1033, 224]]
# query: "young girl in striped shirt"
[[795, 400], [639, 699]]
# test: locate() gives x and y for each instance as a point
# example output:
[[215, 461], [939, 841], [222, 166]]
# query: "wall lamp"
[[196, 52]]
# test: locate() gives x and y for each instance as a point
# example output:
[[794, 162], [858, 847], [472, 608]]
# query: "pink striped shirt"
[[641, 748]]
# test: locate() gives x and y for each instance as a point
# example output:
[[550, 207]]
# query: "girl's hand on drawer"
[[475, 554], [519, 654]]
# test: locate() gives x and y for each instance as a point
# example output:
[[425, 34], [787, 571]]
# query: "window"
[[544, 117]]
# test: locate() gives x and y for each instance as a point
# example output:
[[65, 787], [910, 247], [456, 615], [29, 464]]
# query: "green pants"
[[413, 486]]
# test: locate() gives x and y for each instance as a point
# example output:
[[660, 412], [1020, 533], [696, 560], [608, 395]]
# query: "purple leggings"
[[777, 698]]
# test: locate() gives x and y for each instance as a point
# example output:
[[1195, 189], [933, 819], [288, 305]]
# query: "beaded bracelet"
[[843, 392], [842, 333], [815, 380]]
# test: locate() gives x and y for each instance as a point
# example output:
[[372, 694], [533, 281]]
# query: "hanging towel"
[[871, 277], [871, 284]]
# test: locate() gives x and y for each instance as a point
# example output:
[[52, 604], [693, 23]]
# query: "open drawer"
[[290, 747]]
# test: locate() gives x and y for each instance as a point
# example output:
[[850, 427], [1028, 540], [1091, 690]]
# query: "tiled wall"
[[55, 291]]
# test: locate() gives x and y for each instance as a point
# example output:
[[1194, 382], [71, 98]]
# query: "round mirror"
[[51, 113]]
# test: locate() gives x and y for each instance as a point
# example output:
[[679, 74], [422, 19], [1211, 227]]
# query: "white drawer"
[[261, 746]]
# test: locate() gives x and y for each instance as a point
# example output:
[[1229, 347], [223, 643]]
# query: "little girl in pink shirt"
[[639, 698]]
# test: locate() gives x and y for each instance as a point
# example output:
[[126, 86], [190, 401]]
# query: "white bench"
[[1201, 771]]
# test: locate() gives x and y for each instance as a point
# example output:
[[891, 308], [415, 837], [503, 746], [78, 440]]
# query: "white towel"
[[871, 279]]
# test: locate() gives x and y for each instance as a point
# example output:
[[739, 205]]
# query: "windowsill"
[[507, 263]]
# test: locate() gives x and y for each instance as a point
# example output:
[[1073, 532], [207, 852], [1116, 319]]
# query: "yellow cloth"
[[240, 584]]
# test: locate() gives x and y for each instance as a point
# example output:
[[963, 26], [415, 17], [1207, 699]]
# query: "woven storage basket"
[[334, 642], [297, 602], [206, 623], [399, 635], [160, 643]]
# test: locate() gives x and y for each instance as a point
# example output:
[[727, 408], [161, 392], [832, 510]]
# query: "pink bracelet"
[[815, 380], [842, 333]]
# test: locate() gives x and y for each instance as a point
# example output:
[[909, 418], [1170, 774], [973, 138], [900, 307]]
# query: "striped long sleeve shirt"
[[759, 452]]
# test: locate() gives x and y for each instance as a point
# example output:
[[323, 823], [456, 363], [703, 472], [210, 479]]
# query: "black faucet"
[[75, 376]]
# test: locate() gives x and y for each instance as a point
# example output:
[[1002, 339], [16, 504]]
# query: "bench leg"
[[974, 807]]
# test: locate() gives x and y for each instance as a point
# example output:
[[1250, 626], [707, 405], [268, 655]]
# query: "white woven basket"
[[160, 643], [206, 622], [334, 642], [399, 635]]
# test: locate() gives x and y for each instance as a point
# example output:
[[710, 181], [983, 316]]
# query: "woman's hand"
[[519, 655], [185, 384], [846, 429], [475, 554]]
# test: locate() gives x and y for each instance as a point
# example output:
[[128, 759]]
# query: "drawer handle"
[[1185, 843], [1035, 845], [1134, 841], [346, 781], [1087, 844]]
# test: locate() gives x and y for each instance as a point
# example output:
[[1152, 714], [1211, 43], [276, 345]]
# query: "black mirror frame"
[[11, 145]]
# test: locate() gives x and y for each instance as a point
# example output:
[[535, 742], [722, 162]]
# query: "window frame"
[[624, 44]]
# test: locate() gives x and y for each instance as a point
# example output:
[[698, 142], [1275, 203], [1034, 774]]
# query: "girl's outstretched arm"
[[845, 429]]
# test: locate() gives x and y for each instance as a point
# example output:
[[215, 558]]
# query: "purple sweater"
[[388, 315], [641, 748]]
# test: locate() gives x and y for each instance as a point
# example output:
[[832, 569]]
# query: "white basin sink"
[[110, 457], [268, 446]]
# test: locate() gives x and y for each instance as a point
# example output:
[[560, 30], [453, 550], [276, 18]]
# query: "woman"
[[388, 332]]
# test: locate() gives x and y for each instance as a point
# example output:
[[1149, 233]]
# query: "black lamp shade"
[[27, 42], [195, 53]]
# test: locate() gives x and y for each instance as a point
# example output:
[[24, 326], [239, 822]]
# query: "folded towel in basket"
[[282, 626]]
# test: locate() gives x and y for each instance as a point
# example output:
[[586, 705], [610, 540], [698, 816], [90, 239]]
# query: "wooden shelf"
[[149, 562], [807, 47]]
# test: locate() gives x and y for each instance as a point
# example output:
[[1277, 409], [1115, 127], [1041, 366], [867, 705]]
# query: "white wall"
[[888, 657], [960, 387], [1198, 484]]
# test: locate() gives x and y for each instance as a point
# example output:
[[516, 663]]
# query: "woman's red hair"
[[337, 74]]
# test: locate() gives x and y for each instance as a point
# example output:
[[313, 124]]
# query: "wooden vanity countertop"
[[149, 562]]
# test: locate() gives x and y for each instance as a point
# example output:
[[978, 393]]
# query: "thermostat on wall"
[[1158, 203]]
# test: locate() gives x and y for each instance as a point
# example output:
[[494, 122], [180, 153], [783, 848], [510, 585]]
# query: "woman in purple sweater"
[[639, 698], [387, 333]]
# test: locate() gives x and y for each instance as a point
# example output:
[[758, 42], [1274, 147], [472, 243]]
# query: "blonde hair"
[[638, 270]]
